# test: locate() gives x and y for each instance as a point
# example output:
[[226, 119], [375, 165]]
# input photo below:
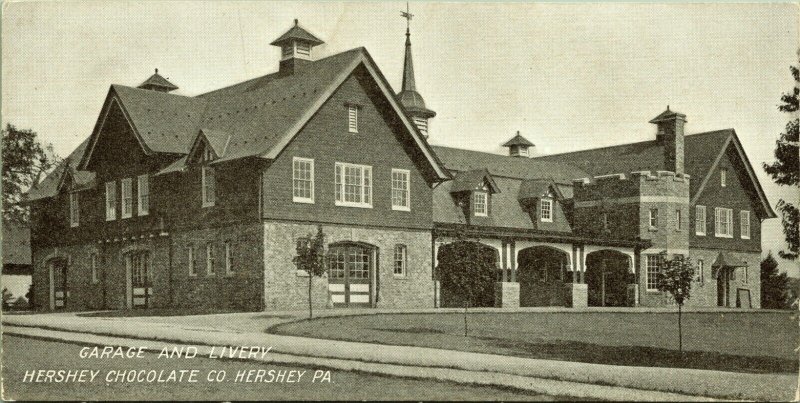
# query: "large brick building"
[[177, 201]]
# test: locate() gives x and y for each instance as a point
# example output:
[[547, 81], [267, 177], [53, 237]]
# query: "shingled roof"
[[48, 187], [156, 81]]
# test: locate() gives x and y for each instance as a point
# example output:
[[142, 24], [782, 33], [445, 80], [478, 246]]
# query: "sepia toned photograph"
[[461, 201]]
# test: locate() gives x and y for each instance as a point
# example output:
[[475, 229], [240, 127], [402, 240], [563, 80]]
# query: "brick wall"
[[285, 289]]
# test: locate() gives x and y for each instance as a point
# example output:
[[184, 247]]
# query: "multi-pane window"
[[111, 201], [74, 210], [546, 210], [337, 263], [353, 185], [228, 258], [127, 198], [143, 187], [723, 177], [700, 220], [401, 192], [653, 268], [744, 224], [480, 205], [139, 264], [209, 259], [302, 180], [723, 222], [209, 186], [400, 255], [653, 218], [678, 220], [701, 275], [352, 118], [358, 263], [191, 259], [93, 264]]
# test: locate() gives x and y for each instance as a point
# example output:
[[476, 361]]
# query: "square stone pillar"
[[578, 295], [633, 295], [506, 295]]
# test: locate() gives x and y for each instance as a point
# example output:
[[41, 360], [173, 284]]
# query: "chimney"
[[296, 48], [670, 135]]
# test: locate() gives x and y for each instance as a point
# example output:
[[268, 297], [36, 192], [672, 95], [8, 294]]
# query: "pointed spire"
[[409, 83]]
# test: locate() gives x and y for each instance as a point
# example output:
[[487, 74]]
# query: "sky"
[[567, 76]]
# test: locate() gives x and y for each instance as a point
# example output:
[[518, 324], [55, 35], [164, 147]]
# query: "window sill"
[[192, 275], [208, 205], [400, 277], [699, 234], [74, 225], [357, 205], [401, 208], [652, 229], [481, 215], [143, 214], [745, 237], [543, 220], [303, 201], [653, 291], [723, 236]]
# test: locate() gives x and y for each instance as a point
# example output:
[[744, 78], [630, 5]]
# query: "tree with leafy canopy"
[[468, 268], [785, 171], [25, 161], [311, 259], [774, 285], [675, 277]]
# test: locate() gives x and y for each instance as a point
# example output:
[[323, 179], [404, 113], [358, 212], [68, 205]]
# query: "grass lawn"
[[21, 354], [743, 342]]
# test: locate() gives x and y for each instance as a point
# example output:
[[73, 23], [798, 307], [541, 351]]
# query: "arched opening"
[[608, 273], [139, 275], [471, 257], [541, 274], [59, 291], [351, 274]]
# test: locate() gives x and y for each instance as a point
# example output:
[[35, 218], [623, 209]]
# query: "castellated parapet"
[[652, 205]]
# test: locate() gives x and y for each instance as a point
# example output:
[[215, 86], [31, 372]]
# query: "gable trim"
[[276, 149], [112, 99], [768, 211]]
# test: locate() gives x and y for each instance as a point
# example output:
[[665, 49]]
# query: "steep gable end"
[[728, 147]]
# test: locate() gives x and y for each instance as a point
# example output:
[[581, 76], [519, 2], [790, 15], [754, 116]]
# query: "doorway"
[[350, 274]]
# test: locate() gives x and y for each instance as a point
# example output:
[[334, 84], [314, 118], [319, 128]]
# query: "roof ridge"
[[151, 91], [250, 80]]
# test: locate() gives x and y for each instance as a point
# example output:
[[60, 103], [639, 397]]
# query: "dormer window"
[[546, 210], [480, 204]]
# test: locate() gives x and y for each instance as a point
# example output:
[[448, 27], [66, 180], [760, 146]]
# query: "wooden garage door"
[[349, 271]]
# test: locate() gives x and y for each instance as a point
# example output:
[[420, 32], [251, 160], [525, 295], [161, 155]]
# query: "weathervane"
[[408, 16]]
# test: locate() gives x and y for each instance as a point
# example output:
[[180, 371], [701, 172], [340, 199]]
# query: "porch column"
[[582, 253], [512, 246], [574, 264], [504, 257]]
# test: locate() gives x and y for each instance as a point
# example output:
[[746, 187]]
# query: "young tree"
[[469, 270], [786, 169], [25, 160], [774, 285], [311, 259], [675, 277]]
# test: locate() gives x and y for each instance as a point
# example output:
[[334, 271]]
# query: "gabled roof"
[[536, 188], [48, 187], [157, 81], [299, 34], [476, 179], [518, 140], [216, 139]]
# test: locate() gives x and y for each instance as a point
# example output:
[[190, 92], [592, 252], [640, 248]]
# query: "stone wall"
[[286, 288]]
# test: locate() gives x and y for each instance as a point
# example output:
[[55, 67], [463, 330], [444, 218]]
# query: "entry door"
[[60, 291], [722, 287], [349, 279], [141, 278]]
